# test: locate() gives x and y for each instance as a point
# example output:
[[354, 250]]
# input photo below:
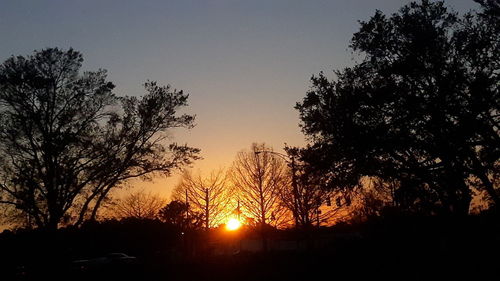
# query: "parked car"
[[109, 260]]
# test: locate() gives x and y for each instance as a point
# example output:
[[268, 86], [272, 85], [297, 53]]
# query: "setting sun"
[[233, 224]]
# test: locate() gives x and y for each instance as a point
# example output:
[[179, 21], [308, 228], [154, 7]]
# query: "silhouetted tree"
[[259, 178], [139, 205], [421, 108], [67, 140], [177, 213], [210, 195], [306, 195]]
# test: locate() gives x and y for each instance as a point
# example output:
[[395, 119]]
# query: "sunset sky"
[[244, 63]]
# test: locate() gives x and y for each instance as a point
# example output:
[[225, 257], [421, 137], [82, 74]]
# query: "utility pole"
[[318, 212], [207, 214], [261, 202], [186, 227], [238, 210], [290, 160], [187, 207], [295, 191]]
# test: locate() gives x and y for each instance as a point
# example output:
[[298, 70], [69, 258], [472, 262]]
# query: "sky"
[[245, 64]]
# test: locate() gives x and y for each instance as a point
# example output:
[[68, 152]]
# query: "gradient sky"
[[244, 63]]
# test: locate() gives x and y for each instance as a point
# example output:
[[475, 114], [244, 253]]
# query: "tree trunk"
[[52, 224]]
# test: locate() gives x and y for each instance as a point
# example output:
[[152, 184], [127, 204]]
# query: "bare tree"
[[139, 205], [207, 195], [259, 178], [66, 141]]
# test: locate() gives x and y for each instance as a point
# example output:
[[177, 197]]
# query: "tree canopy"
[[66, 140], [421, 107]]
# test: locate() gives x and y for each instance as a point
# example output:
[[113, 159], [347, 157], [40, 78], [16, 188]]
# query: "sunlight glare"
[[233, 224]]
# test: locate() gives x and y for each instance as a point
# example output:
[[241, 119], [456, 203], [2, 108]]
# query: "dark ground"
[[286, 266], [395, 249]]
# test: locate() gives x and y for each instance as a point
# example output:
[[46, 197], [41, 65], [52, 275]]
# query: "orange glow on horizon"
[[233, 224]]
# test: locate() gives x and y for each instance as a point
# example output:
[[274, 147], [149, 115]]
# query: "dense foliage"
[[420, 108]]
